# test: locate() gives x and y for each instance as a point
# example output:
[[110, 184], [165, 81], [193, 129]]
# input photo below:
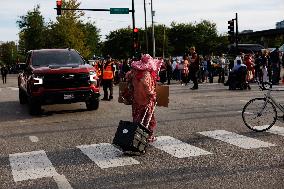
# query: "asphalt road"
[[202, 143]]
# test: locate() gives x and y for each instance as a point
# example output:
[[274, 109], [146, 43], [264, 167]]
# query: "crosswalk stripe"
[[178, 148], [13, 88], [106, 155], [276, 130], [33, 138], [35, 165], [236, 139]]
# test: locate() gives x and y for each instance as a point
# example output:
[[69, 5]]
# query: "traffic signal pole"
[[234, 35], [133, 28], [153, 30], [111, 10], [237, 33]]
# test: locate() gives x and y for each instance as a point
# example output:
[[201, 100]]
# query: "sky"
[[253, 15]]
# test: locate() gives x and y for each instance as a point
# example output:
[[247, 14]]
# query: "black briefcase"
[[132, 137]]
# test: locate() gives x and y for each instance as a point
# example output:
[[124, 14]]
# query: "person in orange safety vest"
[[107, 80]]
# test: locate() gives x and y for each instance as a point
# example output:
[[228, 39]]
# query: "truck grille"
[[61, 81]]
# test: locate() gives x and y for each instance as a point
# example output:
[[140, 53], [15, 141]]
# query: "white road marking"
[[13, 88], [106, 155], [62, 182], [261, 127], [236, 139], [178, 148], [33, 138], [276, 130], [243, 101], [248, 113], [200, 103], [245, 112], [35, 165]]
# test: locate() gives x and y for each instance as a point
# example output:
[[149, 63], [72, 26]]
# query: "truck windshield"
[[60, 58]]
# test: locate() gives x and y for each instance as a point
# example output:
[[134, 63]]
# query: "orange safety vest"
[[108, 73], [98, 70]]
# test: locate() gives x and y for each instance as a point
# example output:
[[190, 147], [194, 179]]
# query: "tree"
[[202, 35], [118, 43], [92, 38], [181, 37], [206, 40], [32, 29], [9, 55], [67, 32]]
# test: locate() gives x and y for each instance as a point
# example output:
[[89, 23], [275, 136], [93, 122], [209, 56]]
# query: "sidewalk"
[[12, 81]]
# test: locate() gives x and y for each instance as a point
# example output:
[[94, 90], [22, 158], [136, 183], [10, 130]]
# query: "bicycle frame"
[[274, 102]]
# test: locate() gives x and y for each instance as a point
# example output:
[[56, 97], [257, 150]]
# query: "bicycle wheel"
[[256, 120]]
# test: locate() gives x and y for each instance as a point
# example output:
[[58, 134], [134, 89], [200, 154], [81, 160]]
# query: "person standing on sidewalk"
[[4, 72]]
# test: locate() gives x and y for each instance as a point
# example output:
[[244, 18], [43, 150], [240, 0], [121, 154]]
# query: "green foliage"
[[118, 43], [181, 37], [32, 29], [9, 55], [92, 38], [68, 31], [174, 40]]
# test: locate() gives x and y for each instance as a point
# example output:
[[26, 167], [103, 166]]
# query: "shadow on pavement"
[[14, 111]]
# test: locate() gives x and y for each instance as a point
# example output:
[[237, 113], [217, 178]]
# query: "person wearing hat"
[[143, 79], [107, 80]]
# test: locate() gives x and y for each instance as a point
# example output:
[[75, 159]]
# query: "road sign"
[[119, 10]]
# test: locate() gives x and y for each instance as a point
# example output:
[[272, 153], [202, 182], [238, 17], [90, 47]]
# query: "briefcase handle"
[[150, 115]]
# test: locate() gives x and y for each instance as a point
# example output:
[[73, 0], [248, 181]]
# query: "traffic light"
[[58, 5], [231, 31], [135, 34], [136, 41]]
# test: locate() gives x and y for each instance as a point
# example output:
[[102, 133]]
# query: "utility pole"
[[237, 33], [146, 30], [133, 27], [164, 41], [133, 15], [153, 30]]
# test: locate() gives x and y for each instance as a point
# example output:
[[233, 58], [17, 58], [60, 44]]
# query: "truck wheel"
[[22, 97], [34, 107], [93, 104]]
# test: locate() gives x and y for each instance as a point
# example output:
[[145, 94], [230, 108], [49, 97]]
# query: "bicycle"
[[260, 114]]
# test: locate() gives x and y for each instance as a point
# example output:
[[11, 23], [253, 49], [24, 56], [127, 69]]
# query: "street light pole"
[[164, 41], [153, 30], [133, 25], [146, 30]]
